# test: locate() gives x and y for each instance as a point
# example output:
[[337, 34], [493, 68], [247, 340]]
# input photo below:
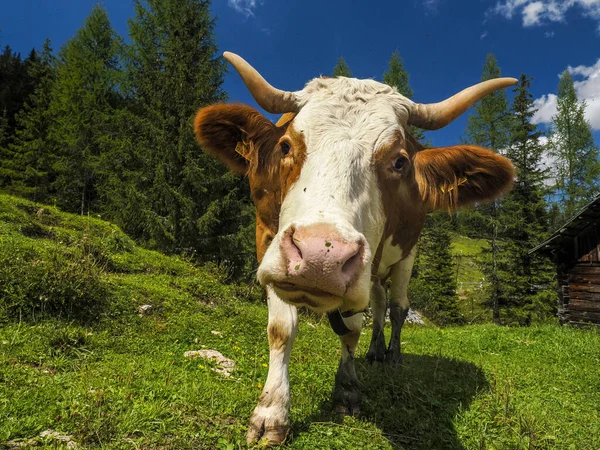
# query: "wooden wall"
[[580, 293]]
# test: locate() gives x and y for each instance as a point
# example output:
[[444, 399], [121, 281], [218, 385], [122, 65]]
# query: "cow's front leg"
[[270, 419], [378, 307], [346, 393], [400, 275]]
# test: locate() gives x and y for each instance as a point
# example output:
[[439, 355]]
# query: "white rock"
[[225, 364], [145, 310], [414, 317]]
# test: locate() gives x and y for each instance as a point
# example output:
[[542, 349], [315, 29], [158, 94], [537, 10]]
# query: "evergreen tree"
[[489, 127], [526, 281], [434, 288], [186, 200], [571, 144], [26, 163], [83, 103], [341, 69], [3, 129], [396, 76], [490, 124], [16, 85]]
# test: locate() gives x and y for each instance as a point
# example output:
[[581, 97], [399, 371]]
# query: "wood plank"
[[591, 288], [582, 316], [583, 295], [587, 278], [583, 305], [586, 269]]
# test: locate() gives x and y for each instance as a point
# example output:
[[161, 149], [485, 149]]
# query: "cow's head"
[[339, 174]]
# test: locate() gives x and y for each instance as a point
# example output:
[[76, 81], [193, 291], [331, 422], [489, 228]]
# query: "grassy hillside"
[[464, 250], [109, 378]]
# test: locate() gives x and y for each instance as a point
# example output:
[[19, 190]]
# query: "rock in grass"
[[145, 310], [225, 364], [414, 317], [45, 437]]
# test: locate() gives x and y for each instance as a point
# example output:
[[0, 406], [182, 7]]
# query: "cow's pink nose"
[[320, 260]]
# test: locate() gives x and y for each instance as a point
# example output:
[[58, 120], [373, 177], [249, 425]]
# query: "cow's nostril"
[[295, 243], [354, 263], [291, 248]]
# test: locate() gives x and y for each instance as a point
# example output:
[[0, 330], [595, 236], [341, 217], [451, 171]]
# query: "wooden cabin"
[[575, 250]]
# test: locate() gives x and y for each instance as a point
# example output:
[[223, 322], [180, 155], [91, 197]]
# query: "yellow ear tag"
[[463, 180], [242, 149]]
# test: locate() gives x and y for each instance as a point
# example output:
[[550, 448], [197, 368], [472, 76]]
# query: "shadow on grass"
[[414, 406]]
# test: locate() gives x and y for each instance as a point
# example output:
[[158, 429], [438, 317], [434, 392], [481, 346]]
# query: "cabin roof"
[[587, 217]]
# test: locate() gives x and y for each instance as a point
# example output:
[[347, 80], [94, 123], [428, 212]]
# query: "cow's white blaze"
[[343, 123]]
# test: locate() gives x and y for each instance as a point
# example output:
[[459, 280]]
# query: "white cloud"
[[549, 34], [245, 7], [532, 13], [538, 12], [546, 108], [483, 35], [587, 86]]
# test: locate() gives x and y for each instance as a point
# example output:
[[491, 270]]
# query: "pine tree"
[[572, 146], [3, 129], [397, 76], [342, 69], [434, 288], [526, 280], [187, 201], [489, 127], [83, 103], [16, 85], [26, 163]]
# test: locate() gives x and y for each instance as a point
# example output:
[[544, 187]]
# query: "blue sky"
[[443, 42]]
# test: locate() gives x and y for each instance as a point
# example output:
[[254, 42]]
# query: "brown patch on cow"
[[234, 133], [291, 164], [404, 211], [246, 142], [453, 177], [277, 336]]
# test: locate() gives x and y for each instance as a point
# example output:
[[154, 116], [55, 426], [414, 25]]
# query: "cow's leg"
[[346, 393], [399, 304], [378, 307], [270, 419]]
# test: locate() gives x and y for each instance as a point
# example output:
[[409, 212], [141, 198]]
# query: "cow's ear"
[[233, 133], [452, 177]]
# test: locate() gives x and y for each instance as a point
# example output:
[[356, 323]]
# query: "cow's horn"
[[271, 99], [437, 115]]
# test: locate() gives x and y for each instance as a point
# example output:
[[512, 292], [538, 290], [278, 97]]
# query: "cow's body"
[[341, 193]]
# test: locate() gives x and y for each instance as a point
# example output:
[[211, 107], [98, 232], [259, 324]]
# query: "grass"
[[121, 381], [465, 250]]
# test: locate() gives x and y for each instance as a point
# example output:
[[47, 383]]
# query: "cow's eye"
[[285, 147], [399, 163]]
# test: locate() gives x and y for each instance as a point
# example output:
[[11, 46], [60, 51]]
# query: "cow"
[[341, 190]]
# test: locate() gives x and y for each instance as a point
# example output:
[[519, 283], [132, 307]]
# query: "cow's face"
[[336, 179]]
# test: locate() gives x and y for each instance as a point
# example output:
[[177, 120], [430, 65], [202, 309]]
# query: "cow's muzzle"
[[320, 265]]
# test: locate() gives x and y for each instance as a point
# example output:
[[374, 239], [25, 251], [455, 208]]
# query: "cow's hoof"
[[346, 402], [265, 430], [376, 351], [375, 356], [393, 358], [347, 410]]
